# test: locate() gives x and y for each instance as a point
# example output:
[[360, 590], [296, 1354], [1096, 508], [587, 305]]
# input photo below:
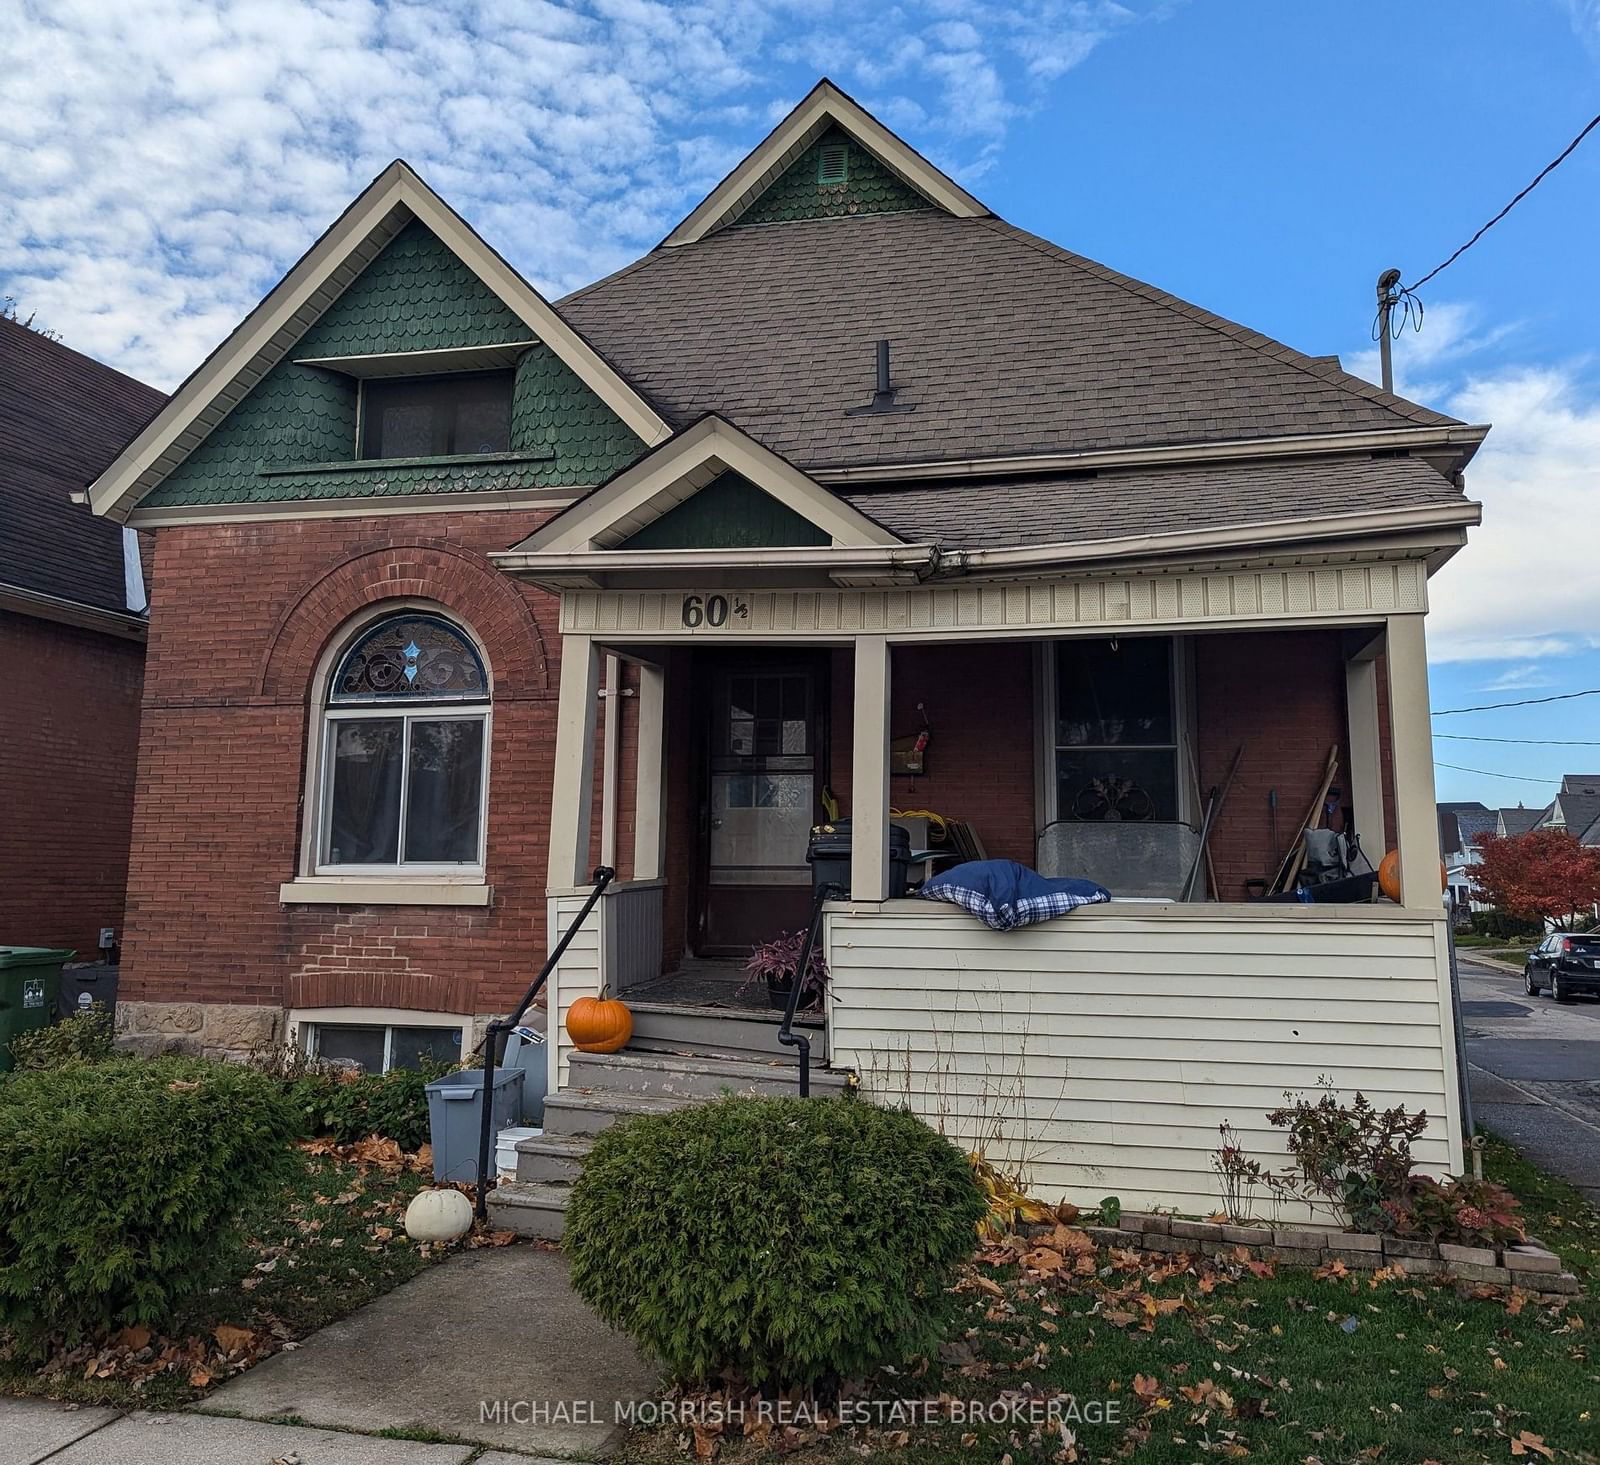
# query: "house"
[[459, 592], [1460, 826], [1575, 808], [72, 642]]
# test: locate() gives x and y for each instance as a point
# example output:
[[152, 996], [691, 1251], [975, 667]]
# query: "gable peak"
[[834, 126]]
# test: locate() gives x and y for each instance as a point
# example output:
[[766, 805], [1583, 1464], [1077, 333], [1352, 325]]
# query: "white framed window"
[[1115, 730], [381, 1039], [402, 744]]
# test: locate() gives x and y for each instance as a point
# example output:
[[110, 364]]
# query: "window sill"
[[380, 465], [336, 890]]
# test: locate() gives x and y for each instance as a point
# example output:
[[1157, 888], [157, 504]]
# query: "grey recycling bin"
[[453, 1119], [526, 1052]]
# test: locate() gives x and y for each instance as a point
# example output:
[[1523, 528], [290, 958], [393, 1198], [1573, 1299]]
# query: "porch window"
[[436, 416], [1117, 729], [404, 740], [379, 1047]]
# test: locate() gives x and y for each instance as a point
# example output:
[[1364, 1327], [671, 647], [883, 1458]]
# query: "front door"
[[763, 741]]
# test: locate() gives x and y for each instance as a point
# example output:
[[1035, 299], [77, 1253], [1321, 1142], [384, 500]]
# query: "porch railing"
[[603, 876], [786, 1033]]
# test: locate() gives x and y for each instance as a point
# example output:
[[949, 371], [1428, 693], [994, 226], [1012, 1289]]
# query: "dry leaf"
[[1527, 1440], [231, 1339]]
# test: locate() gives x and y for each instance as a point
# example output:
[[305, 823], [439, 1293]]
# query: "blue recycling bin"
[[454, 1122]]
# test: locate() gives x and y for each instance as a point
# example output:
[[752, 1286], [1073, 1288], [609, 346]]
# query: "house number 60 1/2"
[[713, 610]]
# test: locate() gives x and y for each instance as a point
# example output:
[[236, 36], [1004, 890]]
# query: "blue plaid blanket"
[[1004, 895]]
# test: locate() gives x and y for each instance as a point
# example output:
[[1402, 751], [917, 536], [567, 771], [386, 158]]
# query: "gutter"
[[73, 613], [1461, 438]]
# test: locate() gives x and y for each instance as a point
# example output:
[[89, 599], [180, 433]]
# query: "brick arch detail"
[[465, 583]]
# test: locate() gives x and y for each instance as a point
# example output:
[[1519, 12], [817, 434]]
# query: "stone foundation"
[[1526, 1265], [206, 1029]]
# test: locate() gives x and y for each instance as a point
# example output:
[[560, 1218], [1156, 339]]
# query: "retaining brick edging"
[[1526, 1265]]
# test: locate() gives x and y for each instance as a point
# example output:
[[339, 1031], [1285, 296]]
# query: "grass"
[[1225, 1359], [335, 1243]]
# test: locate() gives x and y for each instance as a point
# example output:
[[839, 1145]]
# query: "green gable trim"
[[730, 512], [415, 296], [869, 188], [293, 436]]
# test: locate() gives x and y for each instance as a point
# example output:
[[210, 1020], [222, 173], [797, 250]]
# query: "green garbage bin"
[[29, 976]]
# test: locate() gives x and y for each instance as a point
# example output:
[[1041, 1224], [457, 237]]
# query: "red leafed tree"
[[1544, 874]]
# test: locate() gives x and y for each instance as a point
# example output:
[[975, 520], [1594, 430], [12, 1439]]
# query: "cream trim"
[[265, 336], [1465, 437], [353, 508], [823, 105], [680, 568], [334, 890], [71, 613], [422, 363], [676, 471]]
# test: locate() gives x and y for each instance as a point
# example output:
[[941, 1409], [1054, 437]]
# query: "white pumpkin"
[[438, 1215]]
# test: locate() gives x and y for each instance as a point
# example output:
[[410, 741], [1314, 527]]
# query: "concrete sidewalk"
[[492, 1346]]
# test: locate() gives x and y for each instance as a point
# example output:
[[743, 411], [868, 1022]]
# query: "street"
[[1535, 1071]]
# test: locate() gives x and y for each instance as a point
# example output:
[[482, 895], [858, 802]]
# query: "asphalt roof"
[[1004, 344], [992, 513], [63, 418]]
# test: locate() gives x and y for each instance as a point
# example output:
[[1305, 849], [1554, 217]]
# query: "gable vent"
[[833, 163]]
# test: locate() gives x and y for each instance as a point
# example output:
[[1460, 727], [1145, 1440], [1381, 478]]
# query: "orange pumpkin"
[[1389, 876], [599, 1024]]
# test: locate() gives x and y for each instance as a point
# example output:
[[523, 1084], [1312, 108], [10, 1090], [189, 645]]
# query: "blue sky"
[[163, 163]]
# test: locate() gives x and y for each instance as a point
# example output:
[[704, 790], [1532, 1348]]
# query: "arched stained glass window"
[[405, 750], [408, 657]]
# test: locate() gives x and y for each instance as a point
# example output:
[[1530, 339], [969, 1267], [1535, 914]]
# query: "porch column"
[[572, 799], [869, 799], [1366, 755], [1416, 823], [650, 784]]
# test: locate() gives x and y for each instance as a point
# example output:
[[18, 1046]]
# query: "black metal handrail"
[[786, 1034], [602, 877]]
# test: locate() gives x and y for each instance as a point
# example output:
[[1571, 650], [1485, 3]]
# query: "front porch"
[[1098, 1052]]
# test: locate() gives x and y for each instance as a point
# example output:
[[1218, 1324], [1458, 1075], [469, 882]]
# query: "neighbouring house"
[[849, 497], [72, 642], [1575, 808]]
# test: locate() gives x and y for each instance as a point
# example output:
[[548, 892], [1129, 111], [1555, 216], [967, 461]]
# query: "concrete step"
[[529, 1209], [552, 1160], [587, 1112], [664, 1027], [696, 1076]]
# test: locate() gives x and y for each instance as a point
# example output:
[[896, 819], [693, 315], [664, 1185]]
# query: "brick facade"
[[240, 618], [69, 728]]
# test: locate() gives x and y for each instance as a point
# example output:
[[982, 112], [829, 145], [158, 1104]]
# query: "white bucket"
[[505, 1148]]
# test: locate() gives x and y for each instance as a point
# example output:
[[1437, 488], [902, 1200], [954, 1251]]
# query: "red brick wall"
[[1280, 695], [69, 738], [240, 616]]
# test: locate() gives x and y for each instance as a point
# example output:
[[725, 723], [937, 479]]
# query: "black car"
[[1566, 964]]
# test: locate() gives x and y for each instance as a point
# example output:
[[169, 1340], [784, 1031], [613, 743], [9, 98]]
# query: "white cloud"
[[1519, 679], [162, 164]]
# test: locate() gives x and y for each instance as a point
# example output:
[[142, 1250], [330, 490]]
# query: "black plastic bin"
[[828, 854], [82, 986]]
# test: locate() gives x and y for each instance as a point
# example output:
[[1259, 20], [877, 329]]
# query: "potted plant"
[[777, 962]]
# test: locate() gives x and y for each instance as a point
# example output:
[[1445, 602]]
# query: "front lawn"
[[335, 1242], [1232, 1359]]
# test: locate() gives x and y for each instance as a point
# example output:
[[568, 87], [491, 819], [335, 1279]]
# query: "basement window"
[[436, 416], [379, 1047], [833, 163]]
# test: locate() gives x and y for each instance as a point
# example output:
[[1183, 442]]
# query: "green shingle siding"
[[414, 296], [730, 512], [869, 188]]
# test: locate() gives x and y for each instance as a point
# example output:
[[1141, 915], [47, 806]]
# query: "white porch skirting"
[[1099, 1052]]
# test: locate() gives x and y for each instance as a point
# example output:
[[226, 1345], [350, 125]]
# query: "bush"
[[1463, 1211], [123, 1187], [85, 1037], [782, 1241], [393, 1104], [1505, 927]]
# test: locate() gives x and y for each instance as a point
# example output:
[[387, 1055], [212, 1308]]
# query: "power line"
[[1525, 742], [1490, 773], [1544, 173], [1526, 702]]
